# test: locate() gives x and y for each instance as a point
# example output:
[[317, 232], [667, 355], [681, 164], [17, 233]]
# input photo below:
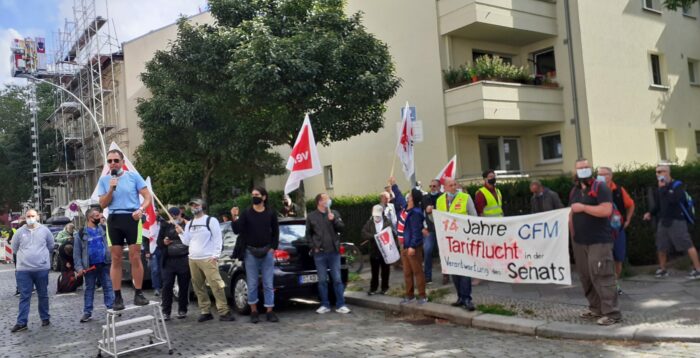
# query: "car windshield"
[[291, 233]]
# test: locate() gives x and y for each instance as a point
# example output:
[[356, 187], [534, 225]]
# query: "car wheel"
[[240, 295]]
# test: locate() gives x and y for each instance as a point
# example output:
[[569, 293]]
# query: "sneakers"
[[323, 310], [86, 317], [272, 317], [118, 304], [619, 289], [694, 275], [383, 292], [371, 293], [422, 301], [19, 328], [458, 303], [407, 300], [661, 273], [229, 317], [45, 323], [140, 299], [429, 281], [17, 292], [469, 306], [205, 317], [166, 316], [608, 321], [588, 314], [343, 310], [254, 317], [156, 293], [181, 315]]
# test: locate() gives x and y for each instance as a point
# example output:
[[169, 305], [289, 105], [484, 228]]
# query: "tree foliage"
[[675, 4]]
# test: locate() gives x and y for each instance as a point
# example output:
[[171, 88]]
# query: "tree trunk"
[[208, 170]]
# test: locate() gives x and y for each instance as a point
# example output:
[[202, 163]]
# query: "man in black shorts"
[[119, 192]]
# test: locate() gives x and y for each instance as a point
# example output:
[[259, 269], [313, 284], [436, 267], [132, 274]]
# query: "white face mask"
[[31, 221], [377, 219], [584, 173]]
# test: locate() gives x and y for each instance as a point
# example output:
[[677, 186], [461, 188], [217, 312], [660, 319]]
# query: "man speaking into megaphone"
[[119, 192]]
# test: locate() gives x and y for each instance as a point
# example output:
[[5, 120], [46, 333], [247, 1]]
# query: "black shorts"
[[123, 230]]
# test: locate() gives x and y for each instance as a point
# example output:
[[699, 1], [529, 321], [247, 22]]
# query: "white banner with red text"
[[517, 249]]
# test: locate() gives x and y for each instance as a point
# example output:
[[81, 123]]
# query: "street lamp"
[[92, 116]]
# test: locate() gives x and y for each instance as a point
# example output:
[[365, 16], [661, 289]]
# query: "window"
[[661, 142], [693, 74], [655, 61], [697, 142], [500, 153], [328, 176], [478, 53], [652, 5], [550, 145], [544, 63]]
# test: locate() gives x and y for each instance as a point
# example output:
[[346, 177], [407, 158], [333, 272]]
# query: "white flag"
[[151, 227], [449, 171], [404, 148], [303, 162]]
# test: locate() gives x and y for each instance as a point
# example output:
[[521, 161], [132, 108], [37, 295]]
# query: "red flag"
[[449, 171], [404, 148], [303, 162]]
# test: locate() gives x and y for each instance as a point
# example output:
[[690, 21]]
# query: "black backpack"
[[68, 282]]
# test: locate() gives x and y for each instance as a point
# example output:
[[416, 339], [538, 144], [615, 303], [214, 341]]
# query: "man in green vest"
[[461, 203], [489, 201]]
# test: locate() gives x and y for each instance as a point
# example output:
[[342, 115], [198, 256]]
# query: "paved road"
[[301, 333]]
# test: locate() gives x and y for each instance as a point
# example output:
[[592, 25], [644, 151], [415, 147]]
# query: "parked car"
[[126, 267], [295, 273], [57, 242]]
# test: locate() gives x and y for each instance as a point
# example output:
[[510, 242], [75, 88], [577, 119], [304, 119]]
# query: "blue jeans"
[[253, 267], [325, 262], [464, 288], [154, 265], [428, 246], [26, 280], [100, 272]]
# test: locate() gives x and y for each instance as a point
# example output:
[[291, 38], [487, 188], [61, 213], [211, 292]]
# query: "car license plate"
[[308, 279]]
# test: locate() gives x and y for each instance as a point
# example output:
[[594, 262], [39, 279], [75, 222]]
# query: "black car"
[[295, 270]]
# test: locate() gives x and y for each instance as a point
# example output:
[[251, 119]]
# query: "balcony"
[[489, 103], [510, 22]]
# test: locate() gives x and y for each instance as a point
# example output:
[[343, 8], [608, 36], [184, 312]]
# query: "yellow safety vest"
[[493, 206], [459, 203]]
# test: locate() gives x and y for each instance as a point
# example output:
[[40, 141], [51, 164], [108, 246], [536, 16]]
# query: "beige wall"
[[137, 53], [624, 110]]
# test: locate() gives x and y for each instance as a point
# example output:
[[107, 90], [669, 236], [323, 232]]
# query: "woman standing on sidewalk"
[[259, 235], [374, 225], [412, 246]]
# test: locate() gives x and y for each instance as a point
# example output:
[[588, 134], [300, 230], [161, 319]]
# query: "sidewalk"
[[653, 309]]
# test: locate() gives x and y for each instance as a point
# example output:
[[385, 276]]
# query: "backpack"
[[207, 224], [687, 205], [68, 282]]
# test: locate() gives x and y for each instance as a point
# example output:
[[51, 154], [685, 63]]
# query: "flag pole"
[[163, 207]]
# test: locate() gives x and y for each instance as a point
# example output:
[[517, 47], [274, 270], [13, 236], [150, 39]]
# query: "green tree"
[[194, 126], [675, 4]]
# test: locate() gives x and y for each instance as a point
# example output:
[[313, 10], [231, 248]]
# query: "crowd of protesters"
[[187, 251]]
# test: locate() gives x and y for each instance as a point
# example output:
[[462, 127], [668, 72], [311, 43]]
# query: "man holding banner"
[[373, 228], [589, 224], [461, 203]]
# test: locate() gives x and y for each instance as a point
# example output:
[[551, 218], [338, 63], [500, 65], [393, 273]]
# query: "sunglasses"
[[116, 161], [660, 171]]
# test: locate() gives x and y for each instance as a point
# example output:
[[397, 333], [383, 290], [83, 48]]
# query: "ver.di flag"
[[387, 245], [303, 162], [150, 225], [448, 172], [404, 147]]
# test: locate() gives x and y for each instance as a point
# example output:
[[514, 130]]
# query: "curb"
[[531, 327]]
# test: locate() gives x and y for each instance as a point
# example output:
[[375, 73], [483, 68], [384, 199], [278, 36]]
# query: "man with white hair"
[[33, 243], [672, 228]]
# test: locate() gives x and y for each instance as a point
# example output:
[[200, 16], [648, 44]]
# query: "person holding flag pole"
[[429, 203]]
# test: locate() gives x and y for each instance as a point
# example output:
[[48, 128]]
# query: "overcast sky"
[[42, 18]]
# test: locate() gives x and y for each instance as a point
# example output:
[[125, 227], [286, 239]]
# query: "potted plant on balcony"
[[550, 79], [455, 77]]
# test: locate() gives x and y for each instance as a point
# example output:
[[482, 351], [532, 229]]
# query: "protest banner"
[[518, 249], [387, 245]]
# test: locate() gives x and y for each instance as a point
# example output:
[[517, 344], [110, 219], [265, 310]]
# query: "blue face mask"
[[600, 178]]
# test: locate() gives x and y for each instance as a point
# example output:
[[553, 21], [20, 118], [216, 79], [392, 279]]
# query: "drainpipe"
[[574, 96]]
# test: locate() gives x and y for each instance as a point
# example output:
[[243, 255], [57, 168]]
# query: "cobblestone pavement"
[[301, 333], [645, 302]]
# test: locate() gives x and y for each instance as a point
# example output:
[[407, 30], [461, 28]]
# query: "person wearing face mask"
[[33, 243], [289, 209], [429, 238], [259, 233], [203, 237], [589, 225], [543, 199], [453, 201], [323, 227], [91, 248], [174, 265], [488, 199], [672, 228], [374, 225], [389, 210]]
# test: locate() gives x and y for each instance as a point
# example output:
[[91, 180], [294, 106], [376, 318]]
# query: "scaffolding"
[[87, 53]]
